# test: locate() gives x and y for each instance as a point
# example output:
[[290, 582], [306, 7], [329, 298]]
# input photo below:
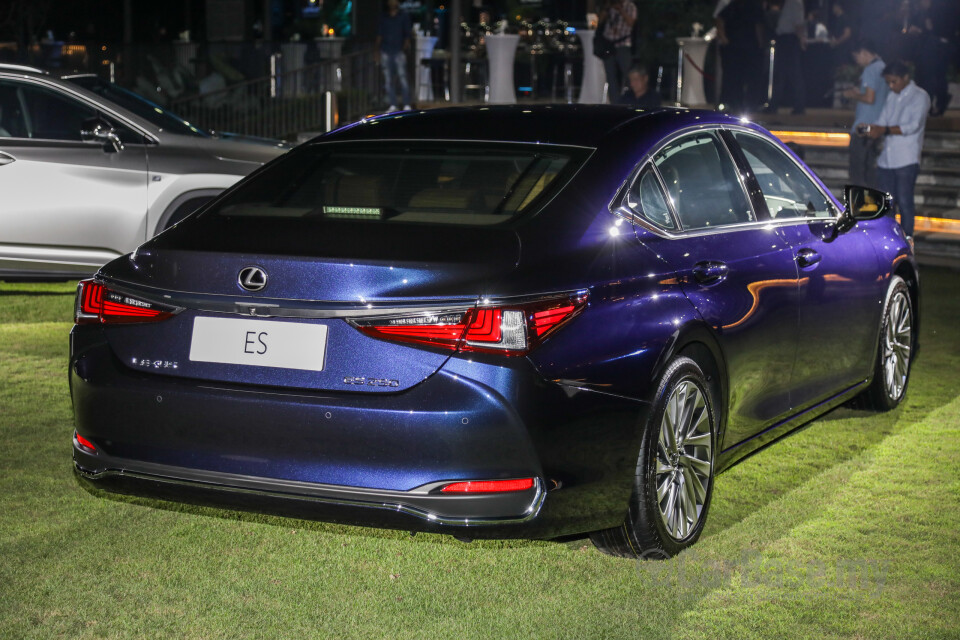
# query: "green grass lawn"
[[848, 529]]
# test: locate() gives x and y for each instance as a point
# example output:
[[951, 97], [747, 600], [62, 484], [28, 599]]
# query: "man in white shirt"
[[901, 124]]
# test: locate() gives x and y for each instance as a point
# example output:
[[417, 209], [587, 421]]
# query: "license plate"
[[263, 343]]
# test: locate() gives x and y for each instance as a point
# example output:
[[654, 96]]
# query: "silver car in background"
[[85, 177]]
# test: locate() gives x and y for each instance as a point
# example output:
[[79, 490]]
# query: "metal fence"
[[287, 104], [253, 88]]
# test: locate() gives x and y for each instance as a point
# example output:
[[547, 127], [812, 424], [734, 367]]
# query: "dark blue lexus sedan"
[[493, 322]]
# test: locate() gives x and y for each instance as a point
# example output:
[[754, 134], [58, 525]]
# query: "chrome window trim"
[[730, 228], [630, 214], [617, 208], [444, 141]]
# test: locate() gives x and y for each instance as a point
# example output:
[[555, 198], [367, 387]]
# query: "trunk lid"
[[314, 284]]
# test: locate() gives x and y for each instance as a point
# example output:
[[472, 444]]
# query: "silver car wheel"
[[684, 459], [897, 339]]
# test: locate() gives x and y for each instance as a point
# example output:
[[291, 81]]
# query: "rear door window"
[[703, 183]]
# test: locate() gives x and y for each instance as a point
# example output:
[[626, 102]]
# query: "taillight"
[[509, 329], [98, 304], [488, 486], [83, 442]]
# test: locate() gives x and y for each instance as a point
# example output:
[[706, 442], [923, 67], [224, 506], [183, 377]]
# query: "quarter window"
[[786, 189], [646, 199], [703, 183]]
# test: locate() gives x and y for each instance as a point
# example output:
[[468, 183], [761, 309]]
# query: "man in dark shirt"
[[393, 40], [928, 36], [841, 34], [638, 92], [740, 34]]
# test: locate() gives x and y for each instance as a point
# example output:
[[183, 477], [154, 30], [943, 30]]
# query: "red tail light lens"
[[509, 329], [83, 442], [489, 486], [98, 304]]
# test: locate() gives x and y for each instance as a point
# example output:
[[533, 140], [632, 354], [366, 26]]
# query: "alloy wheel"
[[897, 340], [684, 464]]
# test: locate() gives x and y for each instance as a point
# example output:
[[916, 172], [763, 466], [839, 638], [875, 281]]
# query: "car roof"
[[560, 124], [22, 68]]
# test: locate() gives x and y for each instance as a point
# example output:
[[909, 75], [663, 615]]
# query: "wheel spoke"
[[693, 480], [694, 464], [663, 485], [681, 516], [663, 467], [671, 510], [901, 370], [698, 440], [698, 417], [689, 504], [683, 419], [668, 428]]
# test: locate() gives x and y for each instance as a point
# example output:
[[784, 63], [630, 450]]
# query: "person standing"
[[870, 96], [393, 41], [618, 17], [788, 62], [929, 31], [901, 125], [841, 34], [740, 34]]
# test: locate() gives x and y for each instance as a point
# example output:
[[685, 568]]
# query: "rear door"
[[68, 206], [737, 271]]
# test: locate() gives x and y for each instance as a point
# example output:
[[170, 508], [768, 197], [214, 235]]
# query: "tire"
[[673, 483], [895, 350]]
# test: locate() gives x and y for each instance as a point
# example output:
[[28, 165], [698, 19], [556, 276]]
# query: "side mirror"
[[96, 130], [862, 203]]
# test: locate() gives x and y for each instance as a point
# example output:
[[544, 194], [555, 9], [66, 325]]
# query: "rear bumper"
[[423, 503], [364, 459]]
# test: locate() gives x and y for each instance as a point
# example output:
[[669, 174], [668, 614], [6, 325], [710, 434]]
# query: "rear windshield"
[[469, 184]]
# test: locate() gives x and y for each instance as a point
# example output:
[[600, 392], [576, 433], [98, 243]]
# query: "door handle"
[[6, 159], [709, 272], [808, 257]]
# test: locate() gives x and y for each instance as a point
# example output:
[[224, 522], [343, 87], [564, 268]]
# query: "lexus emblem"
[[252, 278]]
